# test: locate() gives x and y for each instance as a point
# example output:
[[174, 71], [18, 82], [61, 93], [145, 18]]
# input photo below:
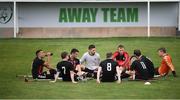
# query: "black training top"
[[74, 61], [108, 70], [64, 67], [142, 67], [37, 67]]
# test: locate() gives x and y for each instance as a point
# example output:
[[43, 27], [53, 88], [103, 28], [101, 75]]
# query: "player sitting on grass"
[[75, 61], [122, 57], [91, 59], [108, 69], [144, 61], [166, 64], [66, 69], [38, 65], [143, 67]]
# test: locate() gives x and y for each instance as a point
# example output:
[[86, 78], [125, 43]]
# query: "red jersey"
[[122, 59], [166, 65]]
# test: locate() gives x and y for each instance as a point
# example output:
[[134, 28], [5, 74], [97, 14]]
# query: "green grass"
[[17, 54]]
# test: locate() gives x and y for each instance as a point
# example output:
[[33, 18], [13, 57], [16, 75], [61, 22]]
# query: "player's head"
[[74, 52], [121, 48], [137, 53], [132, 59], [109, 55], [161, 51], [64, 55], [92, 49], [40, 53]]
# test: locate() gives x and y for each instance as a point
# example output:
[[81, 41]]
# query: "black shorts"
[[156, 71], [124, 75], [88, 70], [90, 73], [68, 79], [113, 79], [141, 77], [44, 75]]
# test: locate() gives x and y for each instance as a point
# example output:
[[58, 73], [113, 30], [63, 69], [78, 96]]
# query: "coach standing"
[[91, 60]]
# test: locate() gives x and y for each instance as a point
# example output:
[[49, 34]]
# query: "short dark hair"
[[162, 49], [137, 52], [91, 46], [64, 54], [109, 55], [74, 50], [38, 51], [121, 46]]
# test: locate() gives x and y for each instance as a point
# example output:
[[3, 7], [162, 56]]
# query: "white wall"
[[164, 14], [47, 14]]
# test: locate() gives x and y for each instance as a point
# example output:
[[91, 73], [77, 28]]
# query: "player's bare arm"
[[72, 77], [47, 62], [98, 75]]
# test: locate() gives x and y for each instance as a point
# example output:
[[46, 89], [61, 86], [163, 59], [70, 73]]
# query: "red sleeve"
[[114, 55]]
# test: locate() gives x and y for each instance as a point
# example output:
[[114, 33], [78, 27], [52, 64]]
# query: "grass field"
[[17, 54]]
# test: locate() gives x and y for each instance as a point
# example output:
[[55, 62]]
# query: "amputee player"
[[122, 57], [166, 64], [143, 66], [108, 69], [66, 68], [91, 60], [39, 64], [73, 58]]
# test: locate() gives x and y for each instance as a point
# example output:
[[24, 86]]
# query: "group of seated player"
[[115, 67]]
